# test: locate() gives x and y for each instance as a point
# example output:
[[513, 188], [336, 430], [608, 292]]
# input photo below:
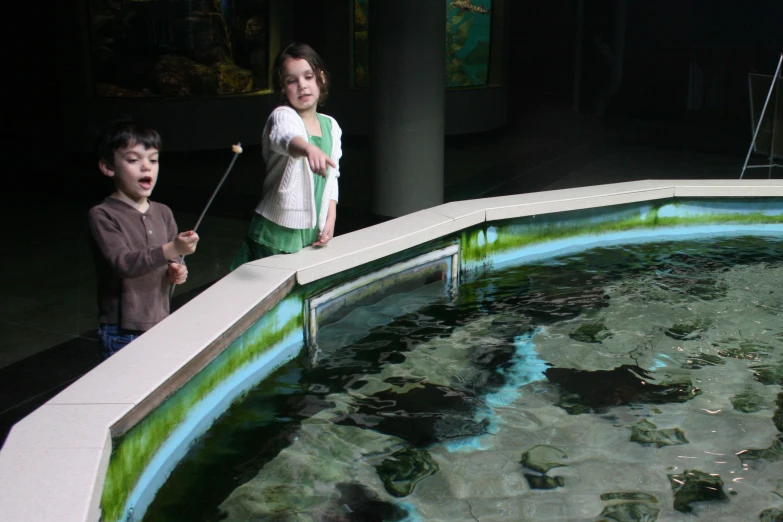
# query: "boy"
[[137, 250]]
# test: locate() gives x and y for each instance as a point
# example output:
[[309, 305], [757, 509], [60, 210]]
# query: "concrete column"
[[407, 104]]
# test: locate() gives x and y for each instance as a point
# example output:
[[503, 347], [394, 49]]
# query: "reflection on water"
[[631, 383]]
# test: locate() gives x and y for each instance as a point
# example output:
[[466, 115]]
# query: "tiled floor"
[[47, 304]]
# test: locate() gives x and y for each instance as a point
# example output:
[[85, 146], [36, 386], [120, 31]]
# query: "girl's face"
[[300, 85]]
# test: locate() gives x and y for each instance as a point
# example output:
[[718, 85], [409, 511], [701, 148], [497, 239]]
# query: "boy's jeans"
[[113, 338]]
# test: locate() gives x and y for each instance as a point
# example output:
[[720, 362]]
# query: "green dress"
[[266, 238]]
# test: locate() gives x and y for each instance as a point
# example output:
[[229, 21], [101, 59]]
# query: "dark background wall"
[[727, 39]]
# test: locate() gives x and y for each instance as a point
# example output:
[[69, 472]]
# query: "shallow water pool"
[[636, 382]]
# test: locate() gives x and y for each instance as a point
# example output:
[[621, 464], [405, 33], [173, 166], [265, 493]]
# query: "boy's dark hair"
[[301, 51], [124, 133]]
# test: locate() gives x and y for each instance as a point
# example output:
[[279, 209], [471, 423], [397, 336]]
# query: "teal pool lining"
[[527, 367], [199, 420], [249, 350], [481, 243], [560, 247]]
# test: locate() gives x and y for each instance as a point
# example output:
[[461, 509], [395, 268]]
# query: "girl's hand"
[[327, 233], [178, 273], [318, 160]]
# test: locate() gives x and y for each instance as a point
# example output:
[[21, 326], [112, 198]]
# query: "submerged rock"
[[768, 374], [544, 481], [591, 390], [630, 507], [687, 331], [357, 503], [747, 351], [571, 403], [403, 469], [304, 479], [772, 454], [771, 515], [708, 289], [779, 488], [591, 333], [422, 416], [645, 432], [629, 495], [631, 512], [695, 486], [777, 417], [748, 402], [704, 359], [543, 458]]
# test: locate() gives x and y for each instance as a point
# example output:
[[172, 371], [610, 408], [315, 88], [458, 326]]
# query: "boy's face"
[[135, 172]]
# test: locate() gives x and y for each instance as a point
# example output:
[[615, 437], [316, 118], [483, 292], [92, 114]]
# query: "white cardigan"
[[289, 198]]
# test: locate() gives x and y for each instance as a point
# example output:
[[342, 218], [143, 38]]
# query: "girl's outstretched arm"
[[318, 160]]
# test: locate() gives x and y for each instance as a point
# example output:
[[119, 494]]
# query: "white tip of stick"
[[236, 149]]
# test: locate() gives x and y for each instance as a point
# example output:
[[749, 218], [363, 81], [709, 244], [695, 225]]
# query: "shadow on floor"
[[31, 382]]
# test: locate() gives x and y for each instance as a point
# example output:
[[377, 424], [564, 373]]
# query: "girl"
[[301, 149]]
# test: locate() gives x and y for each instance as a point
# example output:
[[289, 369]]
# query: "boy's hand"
[[185, 244], [318, 160], [178, 273]]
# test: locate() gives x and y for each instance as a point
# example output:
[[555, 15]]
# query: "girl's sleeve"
[[332, 188], [337, 153], [282, 128]]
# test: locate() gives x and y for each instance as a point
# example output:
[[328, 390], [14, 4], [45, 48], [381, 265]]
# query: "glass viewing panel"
[[467, 42], [175, 48]]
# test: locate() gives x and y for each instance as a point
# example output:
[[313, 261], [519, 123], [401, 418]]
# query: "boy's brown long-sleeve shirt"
[[127, 245]]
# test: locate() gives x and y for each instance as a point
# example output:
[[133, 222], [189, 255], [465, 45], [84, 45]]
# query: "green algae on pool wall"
[[482, 246], [134, 451]]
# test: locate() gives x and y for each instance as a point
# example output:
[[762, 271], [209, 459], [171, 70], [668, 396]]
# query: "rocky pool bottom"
[[632, 383]]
